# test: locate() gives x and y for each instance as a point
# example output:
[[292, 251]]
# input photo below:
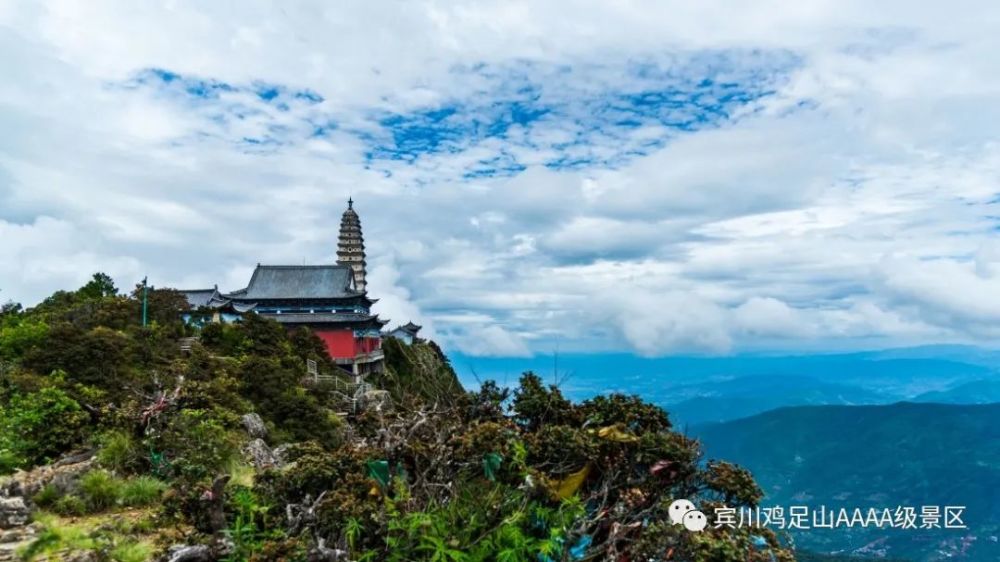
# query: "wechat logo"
[[682, 512]]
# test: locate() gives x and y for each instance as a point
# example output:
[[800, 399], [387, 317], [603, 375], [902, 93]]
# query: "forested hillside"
[[128, 442], [877, 456]]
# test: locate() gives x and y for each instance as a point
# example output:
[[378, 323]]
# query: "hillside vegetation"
[[124, 447], [877, 456]]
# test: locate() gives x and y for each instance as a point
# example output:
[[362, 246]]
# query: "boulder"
[[254, 425], [189, 553], [13, 512], [260, 455]]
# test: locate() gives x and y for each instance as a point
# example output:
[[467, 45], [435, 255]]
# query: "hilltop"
[[170, 441]]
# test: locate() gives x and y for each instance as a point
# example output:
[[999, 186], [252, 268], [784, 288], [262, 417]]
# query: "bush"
[[142, 491], [100, 489], [118, 451], [47, 496], [197, 444], [70, 505], [39, 426]]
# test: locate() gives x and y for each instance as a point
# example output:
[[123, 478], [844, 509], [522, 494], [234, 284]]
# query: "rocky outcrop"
[[14, 512], [254, 426], [260, 455], [16, 492], [26, 484]]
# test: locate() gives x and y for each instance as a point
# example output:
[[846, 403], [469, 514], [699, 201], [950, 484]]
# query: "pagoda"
[[351, 245]]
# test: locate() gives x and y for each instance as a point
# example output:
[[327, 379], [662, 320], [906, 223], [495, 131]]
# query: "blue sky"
[[651, 178]]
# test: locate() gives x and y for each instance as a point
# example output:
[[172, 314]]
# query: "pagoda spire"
[[351, 245]]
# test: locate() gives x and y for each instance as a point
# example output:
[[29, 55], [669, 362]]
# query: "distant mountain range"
[[701, 389], [904, 454]]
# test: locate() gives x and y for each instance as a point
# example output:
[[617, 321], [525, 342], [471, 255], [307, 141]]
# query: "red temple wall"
[[367, 345], [339, 343]]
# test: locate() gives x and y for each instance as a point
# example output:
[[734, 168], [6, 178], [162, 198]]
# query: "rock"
[[376, 401], [281, 454], [28, 483], [188, 553], [261, 455], [321, 553], [254, 426], [13, 512]]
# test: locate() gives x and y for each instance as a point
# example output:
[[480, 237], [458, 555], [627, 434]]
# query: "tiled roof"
[[298, 282]]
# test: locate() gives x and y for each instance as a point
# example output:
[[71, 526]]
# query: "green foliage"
[[197, 444], [419, 371], [248, 528], [70, 505], [141, 491], [101, 356], [132, 552], [39, 426], [47, 496], [58, 541], [118, 451], [16, 338], [536, 405], [100, 490], [274, 389], [100, 285], [491, 475]]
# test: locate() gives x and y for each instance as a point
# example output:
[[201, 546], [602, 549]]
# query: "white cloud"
[[855, 205]]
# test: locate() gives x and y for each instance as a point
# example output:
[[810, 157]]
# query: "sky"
[[649, 178]]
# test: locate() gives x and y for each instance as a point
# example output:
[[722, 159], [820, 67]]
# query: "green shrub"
[[141, 491], [197, 444], [39, 426], [47, 496], [118, 451], [100, 489], [70, 505]]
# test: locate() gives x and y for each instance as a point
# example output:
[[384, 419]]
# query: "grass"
[[132, 552], [241, 473], [118, 451], [55, 537], [98, 491], [141, 491], [123, 540]]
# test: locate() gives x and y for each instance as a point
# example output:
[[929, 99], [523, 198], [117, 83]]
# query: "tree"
[[10, 308], [100, 285]]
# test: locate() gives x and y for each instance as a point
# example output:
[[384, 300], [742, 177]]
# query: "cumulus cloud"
[[650, 177]]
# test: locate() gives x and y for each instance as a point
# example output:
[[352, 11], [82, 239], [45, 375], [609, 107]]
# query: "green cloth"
[[491, 465], [379, 471]]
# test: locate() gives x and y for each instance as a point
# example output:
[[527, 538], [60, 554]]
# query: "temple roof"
[[410, 327], [298, 282], [324, 318], [198, 298]]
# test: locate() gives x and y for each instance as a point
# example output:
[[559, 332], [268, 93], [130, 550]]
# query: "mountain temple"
[[331, 300]]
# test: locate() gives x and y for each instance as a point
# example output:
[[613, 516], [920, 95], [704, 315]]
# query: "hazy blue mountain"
[[895, 374], [719, 401], [902, 454], [973, 392]]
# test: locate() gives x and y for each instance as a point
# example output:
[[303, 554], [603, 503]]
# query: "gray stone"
[[13, 512], [186, 553], [254, 426], [261, 455]]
